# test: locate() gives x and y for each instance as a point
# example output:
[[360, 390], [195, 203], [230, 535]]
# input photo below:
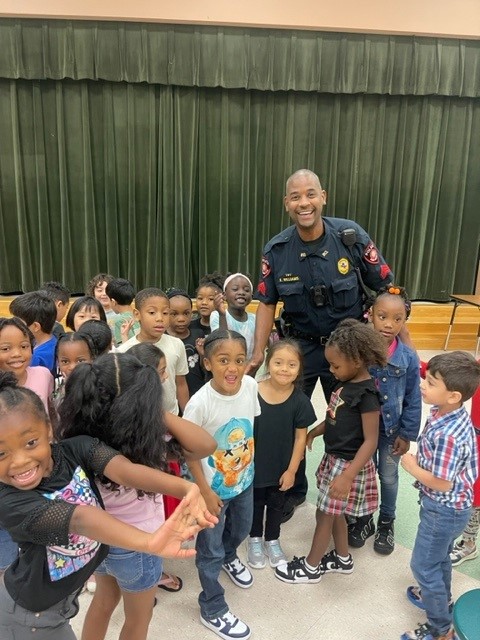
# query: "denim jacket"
[[399, 386]]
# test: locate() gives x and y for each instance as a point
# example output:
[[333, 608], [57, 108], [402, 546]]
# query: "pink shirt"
[[40, 380], [145, 513]]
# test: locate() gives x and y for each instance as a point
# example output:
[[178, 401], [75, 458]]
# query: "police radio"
[[349, 238]]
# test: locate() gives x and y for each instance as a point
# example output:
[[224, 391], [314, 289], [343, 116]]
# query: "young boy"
[[121, 294], [445, 469], [152, 310], [39, 313], [61, 297]]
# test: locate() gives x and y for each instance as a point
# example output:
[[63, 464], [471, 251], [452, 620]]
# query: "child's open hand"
[[199, 510], [178, 528], [340, 487], [125, 328], [199, 342]]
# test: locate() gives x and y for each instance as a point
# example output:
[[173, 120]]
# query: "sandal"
[[171, 583]]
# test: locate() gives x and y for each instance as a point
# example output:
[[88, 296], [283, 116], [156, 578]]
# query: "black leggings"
[[273, 499]]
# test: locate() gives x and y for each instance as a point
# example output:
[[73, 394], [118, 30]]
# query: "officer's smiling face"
[[304, 203]]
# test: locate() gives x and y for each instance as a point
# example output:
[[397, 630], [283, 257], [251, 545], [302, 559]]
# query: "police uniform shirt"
[[292, 267]]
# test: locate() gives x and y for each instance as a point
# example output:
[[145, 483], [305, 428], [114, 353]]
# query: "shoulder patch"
[[266, 268], [371, 253]]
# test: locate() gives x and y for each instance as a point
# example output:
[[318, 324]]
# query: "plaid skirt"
[[363, 497]]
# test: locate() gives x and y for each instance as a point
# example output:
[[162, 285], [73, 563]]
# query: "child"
[[121, 294], [42, 487], [238, 291], [346, 475], [96, 288], [209, 288], [16, 348], [61, 297], [399, 386], [280, 433], [445, 469], [179, 327], [39, 312], [226, 407], [152, 310], [100, 334], [83, 309], [120, 399], [72, 349]]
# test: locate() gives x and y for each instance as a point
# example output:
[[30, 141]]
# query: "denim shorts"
[[133, 571], [8, 550]]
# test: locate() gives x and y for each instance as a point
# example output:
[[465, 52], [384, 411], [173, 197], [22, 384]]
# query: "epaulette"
[[281, 238]]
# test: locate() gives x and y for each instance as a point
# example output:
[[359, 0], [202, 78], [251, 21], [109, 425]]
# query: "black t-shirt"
[[343, 422], [196, 375], [196, 324], [54, 563], [274, 433]]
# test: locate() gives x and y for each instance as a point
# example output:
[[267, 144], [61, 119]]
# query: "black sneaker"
[[296, 572], [331, 563], [384, 542], [361, 531]]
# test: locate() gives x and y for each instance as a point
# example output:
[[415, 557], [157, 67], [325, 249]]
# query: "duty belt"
[[321, 340]]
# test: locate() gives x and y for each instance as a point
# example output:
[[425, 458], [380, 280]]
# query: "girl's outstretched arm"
[[97, 524], [195, 441], [138, 476]]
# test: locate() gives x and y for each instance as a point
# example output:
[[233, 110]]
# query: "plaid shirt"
[[447, 449]]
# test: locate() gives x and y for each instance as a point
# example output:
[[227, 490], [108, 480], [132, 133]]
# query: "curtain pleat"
[[232, 58]]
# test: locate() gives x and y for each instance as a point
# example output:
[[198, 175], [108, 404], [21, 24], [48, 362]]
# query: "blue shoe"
[[414, 594]]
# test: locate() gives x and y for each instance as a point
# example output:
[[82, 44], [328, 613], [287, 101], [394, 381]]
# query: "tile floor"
[[369, 604]]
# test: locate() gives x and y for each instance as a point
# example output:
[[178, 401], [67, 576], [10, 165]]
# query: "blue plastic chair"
[[466, 615]]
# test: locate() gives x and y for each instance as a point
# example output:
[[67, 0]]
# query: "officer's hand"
[[254, 364]]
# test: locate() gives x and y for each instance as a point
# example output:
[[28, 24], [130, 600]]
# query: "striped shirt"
[[447, 449]]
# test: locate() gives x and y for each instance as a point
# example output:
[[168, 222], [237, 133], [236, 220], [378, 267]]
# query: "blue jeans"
[[8, 550], [431, 565], [133, 571], [387, 467], [219, 545]]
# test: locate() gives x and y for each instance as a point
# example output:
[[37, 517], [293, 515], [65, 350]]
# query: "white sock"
[[309, 567], [344, 558]]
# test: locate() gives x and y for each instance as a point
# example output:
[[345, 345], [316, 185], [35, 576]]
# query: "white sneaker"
[[239, 573], [274, 553], [255, 555], [227, 626]]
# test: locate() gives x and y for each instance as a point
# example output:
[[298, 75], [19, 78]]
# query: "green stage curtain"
[[161, 184], [232, 58]]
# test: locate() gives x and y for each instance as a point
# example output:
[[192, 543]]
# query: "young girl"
[[83, 309], [209, 288], [238, 291], [346, 475], [16, 349], [226, 407], [72, 349], [96, 289], [399, 386], [180, 327], [120, 400], [280, 433], [42, 486]]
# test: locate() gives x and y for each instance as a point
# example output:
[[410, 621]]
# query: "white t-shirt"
[[246, 329], [177, 365], [229, 419]]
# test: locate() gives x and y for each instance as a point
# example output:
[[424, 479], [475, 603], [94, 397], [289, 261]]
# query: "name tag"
[[288, 277]]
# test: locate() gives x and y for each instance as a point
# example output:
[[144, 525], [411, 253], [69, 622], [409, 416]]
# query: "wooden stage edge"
[[428, 324]]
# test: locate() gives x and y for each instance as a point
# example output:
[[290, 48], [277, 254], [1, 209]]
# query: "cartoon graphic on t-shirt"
[[233, 458], [64, 560], [335, 402]]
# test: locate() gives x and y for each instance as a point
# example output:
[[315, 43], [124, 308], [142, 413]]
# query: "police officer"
[[319, 268]]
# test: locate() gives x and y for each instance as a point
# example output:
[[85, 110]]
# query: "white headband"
[[235, 275]]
